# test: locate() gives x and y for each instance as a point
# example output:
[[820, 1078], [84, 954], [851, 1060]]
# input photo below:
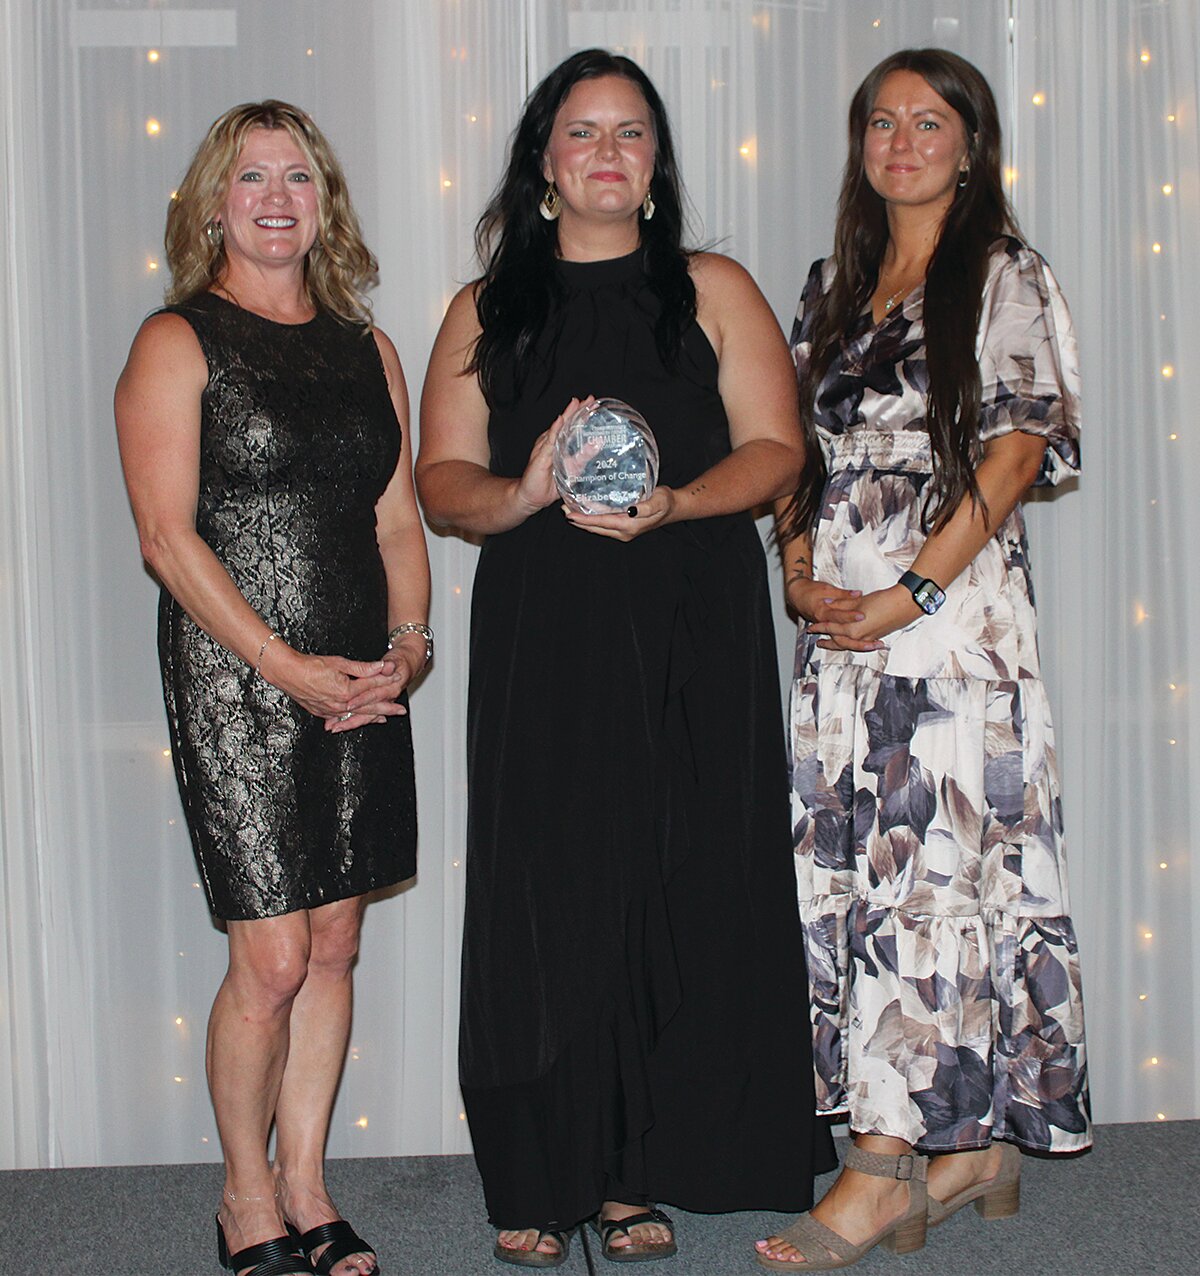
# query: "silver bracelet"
[[412, 627], [270, 638]]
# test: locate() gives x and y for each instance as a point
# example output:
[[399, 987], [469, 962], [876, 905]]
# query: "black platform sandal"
[[534, 1257], [279, 1256], [342, 1241], [636, 1251]]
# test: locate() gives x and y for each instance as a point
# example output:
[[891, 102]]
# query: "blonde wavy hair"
[[339, 268]]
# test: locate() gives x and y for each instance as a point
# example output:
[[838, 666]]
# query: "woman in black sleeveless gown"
[[631, 922], [262, 423]]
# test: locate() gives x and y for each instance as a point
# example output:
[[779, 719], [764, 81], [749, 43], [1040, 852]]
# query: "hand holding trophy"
[[605, 458]]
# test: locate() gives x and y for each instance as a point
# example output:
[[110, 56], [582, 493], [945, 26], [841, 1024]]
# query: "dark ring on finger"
[[632, 511]]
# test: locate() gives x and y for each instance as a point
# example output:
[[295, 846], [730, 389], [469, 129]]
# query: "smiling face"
[[270, 211], [915, 148], [600, 153]]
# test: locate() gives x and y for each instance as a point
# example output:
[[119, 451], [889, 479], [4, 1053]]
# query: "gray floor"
[[1132, 1205]]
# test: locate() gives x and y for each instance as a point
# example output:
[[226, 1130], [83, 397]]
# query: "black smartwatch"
[[927, 594]]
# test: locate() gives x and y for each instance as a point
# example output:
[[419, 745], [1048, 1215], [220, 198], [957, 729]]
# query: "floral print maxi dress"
[[928, 826]]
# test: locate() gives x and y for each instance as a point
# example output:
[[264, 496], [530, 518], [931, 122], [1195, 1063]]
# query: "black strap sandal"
[[636, 1251], [280, 1256], [342, 1241], [534, 1257]]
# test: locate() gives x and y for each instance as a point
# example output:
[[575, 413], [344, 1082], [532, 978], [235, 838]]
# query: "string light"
[[1168, 370], [446, 183], [876, 22], [1153, 1060], [1169, 742], [1156, 247], [1161, 1116], [1163, 863], [308, 53], [1147, 934], [361, 1123], [152, 55], [1010, 176], [1142, 996], [179, 1080], [1145, 56], [166, 753], [1140, 614], [1172, 437], [1039, 99], [151, 264], [178, 1021], [1171, 118], [472, 119], [1168, 189], [458, 589], [153, 127], [454, 863]]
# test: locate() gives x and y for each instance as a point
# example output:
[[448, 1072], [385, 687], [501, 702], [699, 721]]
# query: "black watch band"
[[927, 594]]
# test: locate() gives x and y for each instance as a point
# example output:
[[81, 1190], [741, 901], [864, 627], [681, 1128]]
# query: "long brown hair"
[[979, 215], [339, 267]]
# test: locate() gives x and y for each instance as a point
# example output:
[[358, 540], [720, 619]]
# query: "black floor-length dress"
[[632, 956], [298, 440]]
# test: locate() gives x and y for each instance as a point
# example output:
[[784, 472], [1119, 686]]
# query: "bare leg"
[[320, 1031], [246, 1055], [954, 1172], [857, 1205]]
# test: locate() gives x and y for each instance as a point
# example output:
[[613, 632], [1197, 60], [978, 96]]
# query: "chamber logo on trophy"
[[605, 458]]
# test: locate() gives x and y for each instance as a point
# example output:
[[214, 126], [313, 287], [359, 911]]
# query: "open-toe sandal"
[[997, 1197], [636, 1251], [534, 1257], [280, 1256], [340, 1240], [823, 1250]]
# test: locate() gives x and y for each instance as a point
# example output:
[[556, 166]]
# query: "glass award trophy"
[[605, 458]]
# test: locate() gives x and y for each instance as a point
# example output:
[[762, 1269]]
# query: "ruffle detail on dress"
[[962, 1029]]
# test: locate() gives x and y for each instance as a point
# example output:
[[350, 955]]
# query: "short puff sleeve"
[[1028, 361]]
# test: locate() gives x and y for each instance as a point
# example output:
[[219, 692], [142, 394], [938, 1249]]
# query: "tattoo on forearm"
[[800, 570]]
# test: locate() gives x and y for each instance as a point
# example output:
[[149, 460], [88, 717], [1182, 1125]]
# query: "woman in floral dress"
[[939, 379]]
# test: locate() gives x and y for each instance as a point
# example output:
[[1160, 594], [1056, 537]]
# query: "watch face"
[[928, 597]]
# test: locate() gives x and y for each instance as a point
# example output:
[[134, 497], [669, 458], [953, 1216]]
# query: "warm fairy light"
[[1172, 437], [1172, 686], [153, 127], [1156, 247], [454, 863], [1010, 176], [446, 183], [174, 194], [458, 589], [462, 1116], [1153, 1060], [196, 886], [1168, 370], [1140, 614], [1161, 1116], [361, 1123], [1171, 118], [152, 55], [151, 264], [204, 1138], [178, 1021], [876, 22], [1168, 189], [1145, 55], [166, 753], [1039, 99], [1163, 863], [472, 119], [179, 1080], [170, 824], [1147, 934], [762, 21], [744, 150], [1142, 996], [308, 53]]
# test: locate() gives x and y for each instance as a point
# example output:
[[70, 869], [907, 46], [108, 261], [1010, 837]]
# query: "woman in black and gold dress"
[[631, 925], [263, 430]]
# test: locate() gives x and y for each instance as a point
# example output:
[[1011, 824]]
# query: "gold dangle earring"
[[647, 205], [550, 205], [214, 232]]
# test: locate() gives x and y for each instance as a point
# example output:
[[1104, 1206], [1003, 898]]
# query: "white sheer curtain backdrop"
[[109, 961]]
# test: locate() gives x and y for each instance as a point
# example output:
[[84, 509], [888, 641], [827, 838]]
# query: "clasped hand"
[[347, 693], [848, 619]]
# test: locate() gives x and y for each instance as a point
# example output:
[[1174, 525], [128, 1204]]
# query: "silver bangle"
[[270, 638], [412, 627]]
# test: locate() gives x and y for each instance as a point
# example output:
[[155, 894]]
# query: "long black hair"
[[954, 283], [517, 247]]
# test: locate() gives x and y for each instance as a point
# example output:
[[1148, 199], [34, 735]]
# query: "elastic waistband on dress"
[[905, 450]]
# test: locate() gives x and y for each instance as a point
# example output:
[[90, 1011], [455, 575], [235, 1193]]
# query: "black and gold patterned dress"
[[298, 440]]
